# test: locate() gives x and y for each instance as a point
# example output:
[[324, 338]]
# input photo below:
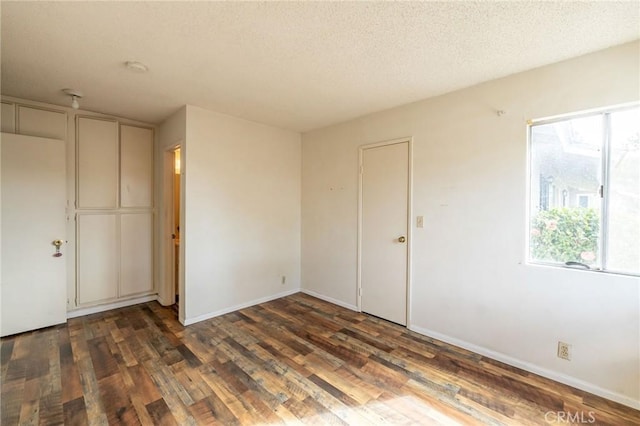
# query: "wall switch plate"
[[420, 221]]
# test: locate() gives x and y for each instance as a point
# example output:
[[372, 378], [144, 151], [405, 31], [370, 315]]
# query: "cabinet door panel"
[[136, 253], [8, 118], [43, 123], [97, 163], [136, 166], [97, 258]]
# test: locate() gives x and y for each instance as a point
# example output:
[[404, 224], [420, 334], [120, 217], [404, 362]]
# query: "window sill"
[[580, 269]]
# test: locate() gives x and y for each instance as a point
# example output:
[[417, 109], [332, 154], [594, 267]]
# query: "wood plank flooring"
[[296, 360]]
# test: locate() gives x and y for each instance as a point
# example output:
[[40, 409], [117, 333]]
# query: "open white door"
[[384, 227], [33, 280]]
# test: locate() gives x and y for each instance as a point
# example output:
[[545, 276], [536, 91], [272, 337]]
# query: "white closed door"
[[33, 281], [384, 224]]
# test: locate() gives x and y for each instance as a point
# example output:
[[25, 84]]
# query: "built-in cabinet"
[[33, 121], [114, 183], [41, 122], [97, 257], [113, 203], [97, 160], [136, 165], [8, 118], [135, 251]]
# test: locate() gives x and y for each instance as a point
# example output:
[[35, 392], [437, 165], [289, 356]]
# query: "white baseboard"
[[330, 300], [108, 306], [189, 321], [532, 368]]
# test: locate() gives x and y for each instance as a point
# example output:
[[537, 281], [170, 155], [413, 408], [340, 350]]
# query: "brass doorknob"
[[57, 244], [402, 239]]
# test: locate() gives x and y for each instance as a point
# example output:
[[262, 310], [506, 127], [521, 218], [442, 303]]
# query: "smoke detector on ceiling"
[[75, 95]]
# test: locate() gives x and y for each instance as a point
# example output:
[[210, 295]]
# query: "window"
[[583, 201], [584, 187]]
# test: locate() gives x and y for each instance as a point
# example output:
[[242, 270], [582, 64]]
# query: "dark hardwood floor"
[[295, 360]]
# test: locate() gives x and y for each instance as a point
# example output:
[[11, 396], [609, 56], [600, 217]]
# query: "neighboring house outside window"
[[584, 187]]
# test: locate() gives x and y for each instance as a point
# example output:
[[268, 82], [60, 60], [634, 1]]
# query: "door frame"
[[167, 287], [361, 150]]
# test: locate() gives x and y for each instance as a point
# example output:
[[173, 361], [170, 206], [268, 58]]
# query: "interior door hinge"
[[360, 291]]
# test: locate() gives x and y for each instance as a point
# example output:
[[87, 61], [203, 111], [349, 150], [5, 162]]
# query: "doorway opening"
[[173, 290], [175, 236]]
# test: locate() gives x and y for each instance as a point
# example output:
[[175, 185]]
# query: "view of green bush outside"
[[565, 235]]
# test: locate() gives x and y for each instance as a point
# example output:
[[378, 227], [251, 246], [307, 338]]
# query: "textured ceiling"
[[296, 65]]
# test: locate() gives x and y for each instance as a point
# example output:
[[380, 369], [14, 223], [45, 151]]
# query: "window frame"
[[604, 178]]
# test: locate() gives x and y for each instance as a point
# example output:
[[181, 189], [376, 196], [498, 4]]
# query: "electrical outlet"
[[564, 351], [284, 280]]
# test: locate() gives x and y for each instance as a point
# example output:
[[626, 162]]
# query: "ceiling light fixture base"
[[75, 95]]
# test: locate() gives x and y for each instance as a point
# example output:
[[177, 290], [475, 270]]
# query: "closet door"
[[136, 253], [115, 211], [136, 167], [33, 290], [41, 122], [97, 258], [97, 163]]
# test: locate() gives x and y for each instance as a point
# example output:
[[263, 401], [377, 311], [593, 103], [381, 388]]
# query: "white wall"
[[242, 213], [470, 284], [171, 132]]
